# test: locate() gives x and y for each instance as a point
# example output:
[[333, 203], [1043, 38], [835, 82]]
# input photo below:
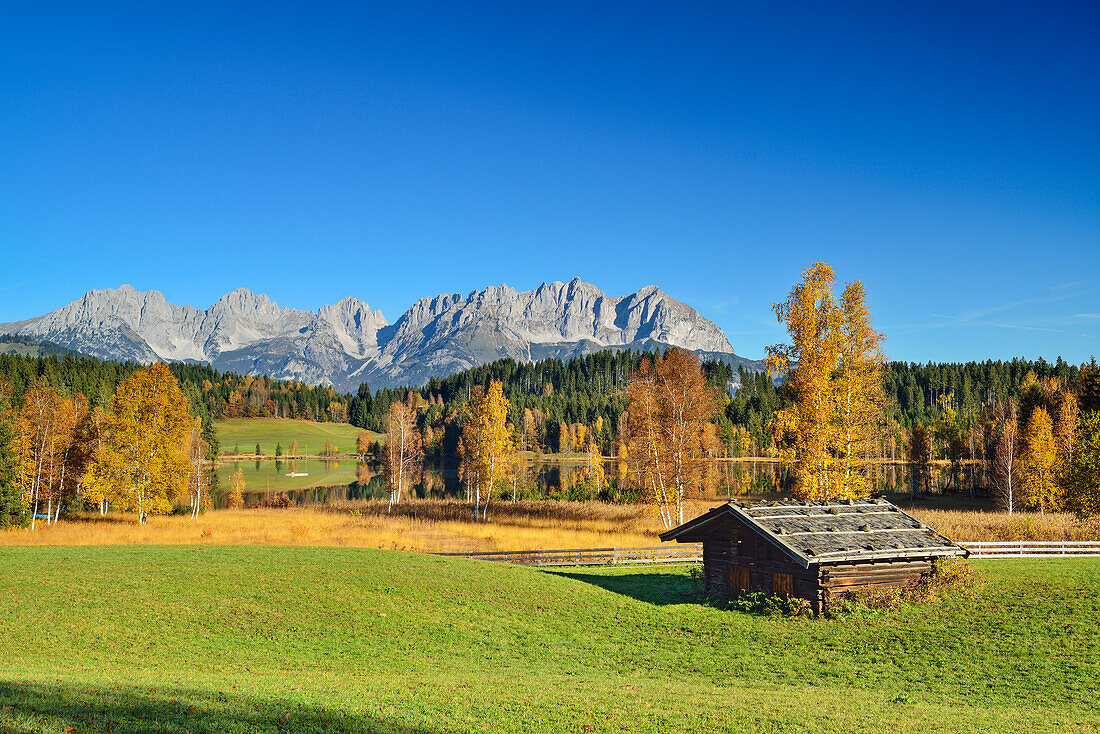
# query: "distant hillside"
[[27, 346], [242, 434]]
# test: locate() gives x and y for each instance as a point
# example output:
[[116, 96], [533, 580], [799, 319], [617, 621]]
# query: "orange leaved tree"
[[670, 406]]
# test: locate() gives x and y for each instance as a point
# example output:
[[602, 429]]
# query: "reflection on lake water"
[[320, 482]]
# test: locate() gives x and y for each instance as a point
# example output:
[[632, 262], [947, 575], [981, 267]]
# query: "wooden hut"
[[813, 550]]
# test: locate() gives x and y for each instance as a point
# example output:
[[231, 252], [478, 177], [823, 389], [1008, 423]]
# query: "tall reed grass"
[[448, 526]]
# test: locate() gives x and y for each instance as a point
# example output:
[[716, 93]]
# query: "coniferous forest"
[[551, 397]]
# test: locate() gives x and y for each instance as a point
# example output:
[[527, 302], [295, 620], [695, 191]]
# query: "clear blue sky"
[[946, 153]]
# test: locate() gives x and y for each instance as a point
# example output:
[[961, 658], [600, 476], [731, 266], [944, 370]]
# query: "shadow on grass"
[[652, 588], [63, 707]]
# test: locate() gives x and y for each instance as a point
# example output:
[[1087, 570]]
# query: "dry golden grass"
[[448, 525], [427, 525], [974, 525]]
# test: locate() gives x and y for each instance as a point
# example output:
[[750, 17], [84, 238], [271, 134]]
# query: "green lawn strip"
[[436, 644], [481, 699], [245, 433]]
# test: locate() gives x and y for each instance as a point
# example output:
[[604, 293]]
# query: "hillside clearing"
[[305, 639], [245, 433]]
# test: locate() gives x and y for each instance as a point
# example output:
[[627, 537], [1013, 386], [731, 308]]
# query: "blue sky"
[[947, 154]]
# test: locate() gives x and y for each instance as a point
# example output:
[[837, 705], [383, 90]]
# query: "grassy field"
[[244, 433], [236, 639]]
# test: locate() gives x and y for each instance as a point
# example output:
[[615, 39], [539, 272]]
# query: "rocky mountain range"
[[348, 343]]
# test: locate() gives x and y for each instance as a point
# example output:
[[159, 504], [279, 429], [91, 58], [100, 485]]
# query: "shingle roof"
[[815, 533]]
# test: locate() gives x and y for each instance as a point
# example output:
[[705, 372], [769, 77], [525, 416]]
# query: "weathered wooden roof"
[[818, 533]]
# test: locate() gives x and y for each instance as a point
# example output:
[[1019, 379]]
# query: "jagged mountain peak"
[[649, 290], [347, 342]]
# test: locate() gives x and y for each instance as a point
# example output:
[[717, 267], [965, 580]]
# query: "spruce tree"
[[12, 508]]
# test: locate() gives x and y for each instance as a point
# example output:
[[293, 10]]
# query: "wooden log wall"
[[838, 580]]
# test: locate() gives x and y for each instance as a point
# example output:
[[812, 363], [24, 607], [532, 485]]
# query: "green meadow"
[[245, 433], [282, 639]]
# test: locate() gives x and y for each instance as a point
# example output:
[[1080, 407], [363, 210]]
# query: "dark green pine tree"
[[13, 511], [213, 446]]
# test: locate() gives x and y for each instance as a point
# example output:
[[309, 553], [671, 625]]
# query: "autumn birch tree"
[[833, 366], [805, 431], [486, 443], [98, 487], [144, 455], [645, 449], [1066, 429], [235, 498], [670, 407], [403, 452], [37, 438], [1039, 462], [859, 397], [199, 469], [1006, 456]]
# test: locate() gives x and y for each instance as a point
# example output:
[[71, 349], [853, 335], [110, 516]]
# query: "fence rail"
[[693, 553], [1032, 548], [684, 553]]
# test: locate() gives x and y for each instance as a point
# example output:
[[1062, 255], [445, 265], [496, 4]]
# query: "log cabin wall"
[[838, 580], [736, 559]]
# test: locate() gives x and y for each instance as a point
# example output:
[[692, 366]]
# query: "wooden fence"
[[693, 553], [682, 553], [1032, 548]]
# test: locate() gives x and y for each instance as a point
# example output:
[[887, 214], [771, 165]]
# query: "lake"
[[324, 481]]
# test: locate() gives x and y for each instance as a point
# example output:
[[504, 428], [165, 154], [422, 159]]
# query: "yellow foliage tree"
[[834, 368], [144, 455], [235, 498], [97, 487], [858, 396], [487, 447], [1039, 463], [1066, 429]]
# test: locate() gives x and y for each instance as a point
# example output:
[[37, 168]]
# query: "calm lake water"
[[314, 481]]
